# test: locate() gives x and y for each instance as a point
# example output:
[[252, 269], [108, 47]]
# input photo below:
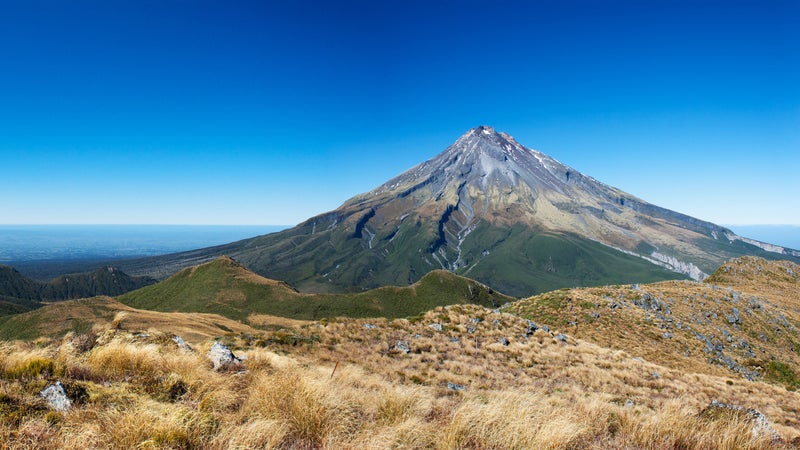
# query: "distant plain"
[[45, 251]]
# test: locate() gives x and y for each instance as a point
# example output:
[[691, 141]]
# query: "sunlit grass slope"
[[135, 390], [225, 287]]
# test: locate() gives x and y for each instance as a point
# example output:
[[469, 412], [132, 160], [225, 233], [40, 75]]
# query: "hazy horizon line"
[[290, 225]]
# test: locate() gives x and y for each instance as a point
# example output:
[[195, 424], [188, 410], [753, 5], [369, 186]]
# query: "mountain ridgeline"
[[19, 293], [493, 210], [225, 287]]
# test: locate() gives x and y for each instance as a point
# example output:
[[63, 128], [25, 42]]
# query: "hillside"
[[743, 321], [493, 210], [225, 287], [81, 316], [19, 293], [593, 370]]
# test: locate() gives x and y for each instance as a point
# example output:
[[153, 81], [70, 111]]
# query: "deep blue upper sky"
[[254, 112]]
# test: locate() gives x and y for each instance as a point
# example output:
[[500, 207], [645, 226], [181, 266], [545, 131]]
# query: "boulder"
[[222, 357], [56, 397], [761, 426], [402, 347]]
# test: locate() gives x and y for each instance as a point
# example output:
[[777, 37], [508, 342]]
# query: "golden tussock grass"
[[481, 382]]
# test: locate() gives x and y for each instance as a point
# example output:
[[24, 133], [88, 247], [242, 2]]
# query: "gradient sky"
[[256, 112]]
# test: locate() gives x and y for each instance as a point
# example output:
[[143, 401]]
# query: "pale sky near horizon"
[[259, 112]]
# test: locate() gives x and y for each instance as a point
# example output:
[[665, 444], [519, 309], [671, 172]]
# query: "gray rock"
[[504, 341], [222, 357], [56, 397], [455, 386], [181, 343], [470, 329], [761, 424], [476, 320], [655, 375], [652, 303], [436, 326], [545, 328], [734, 317], [455, 339], [561, 338], [727, 335], [532, 327], [402, 347], [666, 335], [629, 403], [370, 326]]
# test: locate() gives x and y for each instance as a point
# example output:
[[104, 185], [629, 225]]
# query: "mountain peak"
[[483, 130], [487, 134], [492, 209]]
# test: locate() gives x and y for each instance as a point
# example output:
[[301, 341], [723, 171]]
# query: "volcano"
[[490, 209]]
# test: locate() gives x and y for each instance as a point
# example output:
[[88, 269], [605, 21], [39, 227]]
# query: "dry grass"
[[145, 392], [745, 320], [605, 383]]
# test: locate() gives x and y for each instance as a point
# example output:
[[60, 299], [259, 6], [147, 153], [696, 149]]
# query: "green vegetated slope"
[[744, 321], [325, 255], [525, 261], [225, 287], [19, 293]]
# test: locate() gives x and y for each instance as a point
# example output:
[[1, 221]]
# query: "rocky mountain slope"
[[491, 209], [743, 321]]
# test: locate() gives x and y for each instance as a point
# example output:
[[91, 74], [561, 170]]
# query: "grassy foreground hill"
[[586, 375], [225, 287], [81, 316], [743, 321], [352, 386]]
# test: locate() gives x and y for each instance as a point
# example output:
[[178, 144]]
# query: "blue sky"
[[254, 112]]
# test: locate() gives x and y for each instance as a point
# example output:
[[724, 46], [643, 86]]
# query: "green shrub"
[[31, 368]]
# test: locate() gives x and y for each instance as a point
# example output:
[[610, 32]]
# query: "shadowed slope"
[[19, 293]]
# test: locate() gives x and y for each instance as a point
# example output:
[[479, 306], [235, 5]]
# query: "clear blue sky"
[[257, 112]]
